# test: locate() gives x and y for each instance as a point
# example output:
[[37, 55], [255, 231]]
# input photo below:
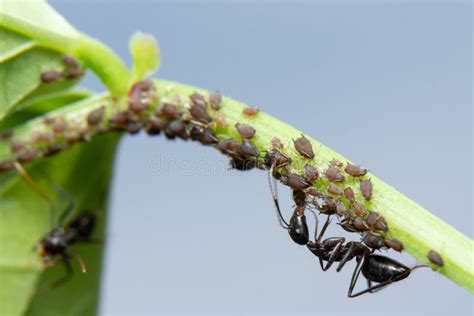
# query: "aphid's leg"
[[335, 253], [281, 220], [19, 168]]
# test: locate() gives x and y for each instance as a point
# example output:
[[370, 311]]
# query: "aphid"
[[303, 147], [60, 125], [176, 128], [373, 241], [435, 258], [246, 131], [220, 119], [351, 213], [42, 137], [349, 194], [297, 181], [334, 189], [276, 143], [169, 110], [366, 188], [381, 224], [6, 134], [48, 120], [380, 269], [95, 117], [311, 172], [372, 218], [251, 111], [227, 146], [154, 126], [395, 244], [314, 192], [360, 224], [134, 127], [355, 170], [72, 136], [53, 149], [360, 209], [276, 159], [120, 119], [334, 174], [199, 113], [198, 99], [70, 61], [325, 205], [248, 149], [141, 95], [336, 162], [6, 165], [340, 208], [26, 155], [73, 73], [50, 76], [17, 145], [215, 100]]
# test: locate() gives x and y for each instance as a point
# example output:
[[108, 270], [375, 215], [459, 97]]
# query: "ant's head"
[[54, 243]]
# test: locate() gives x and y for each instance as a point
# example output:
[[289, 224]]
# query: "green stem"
[[419, 230], [95, 55]]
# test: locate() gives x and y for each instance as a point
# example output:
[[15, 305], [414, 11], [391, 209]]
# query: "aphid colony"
[[198, 119]]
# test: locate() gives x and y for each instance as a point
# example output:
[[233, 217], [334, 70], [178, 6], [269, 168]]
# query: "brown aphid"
[[48, 120], [435, 258], [372, 218], [72, 136], [335, 162], [198, 99], [6, 165], [6, 134], [347, 226], [53, 149], [204, 135], [349, 194], [355, 170], [228, 146], [215, 100], [360, 224], [17, 145], [120, 119], [314, 192], [381, 224], [276, 159], [70, 61], [395, 244], [199, 112], [137, 107], [334, 189], [366, 188], [311, 172], [334, 174], [351, 213], [154, 126], [134, 127], [248, 149], [73, 73], [297, 181], [303, 147], [60, 125], [246, 131], [26, 155], [220, 119], [276, 143], [328, 206], [176, 128], [360, 209], [251, 111], [340, 208], [95, 117], [50, 76], [373, 241], [169, 110], [42, 137]]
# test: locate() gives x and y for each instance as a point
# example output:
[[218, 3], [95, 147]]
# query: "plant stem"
[[419, 230]]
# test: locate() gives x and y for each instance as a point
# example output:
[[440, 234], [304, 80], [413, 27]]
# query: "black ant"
[[60, 238]]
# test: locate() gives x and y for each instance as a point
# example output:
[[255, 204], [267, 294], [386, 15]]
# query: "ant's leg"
[[355, 275], [316, 228], [346, 257], [19, 168], [69, 273], [282, 221], [335, 253], [70, 203], [323, 230], [379, 286]]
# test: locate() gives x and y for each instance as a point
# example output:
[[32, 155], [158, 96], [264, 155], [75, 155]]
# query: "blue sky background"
[[387, 84]]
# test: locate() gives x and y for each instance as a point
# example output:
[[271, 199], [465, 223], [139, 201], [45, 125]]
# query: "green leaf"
[[13, 44], [83, 171], [145, 53]]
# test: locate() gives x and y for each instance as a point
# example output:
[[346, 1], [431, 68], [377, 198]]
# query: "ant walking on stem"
[[57, 242]]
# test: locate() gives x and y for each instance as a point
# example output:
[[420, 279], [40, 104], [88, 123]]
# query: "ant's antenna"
[[82, 264], [19, 168], [282, 221]]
